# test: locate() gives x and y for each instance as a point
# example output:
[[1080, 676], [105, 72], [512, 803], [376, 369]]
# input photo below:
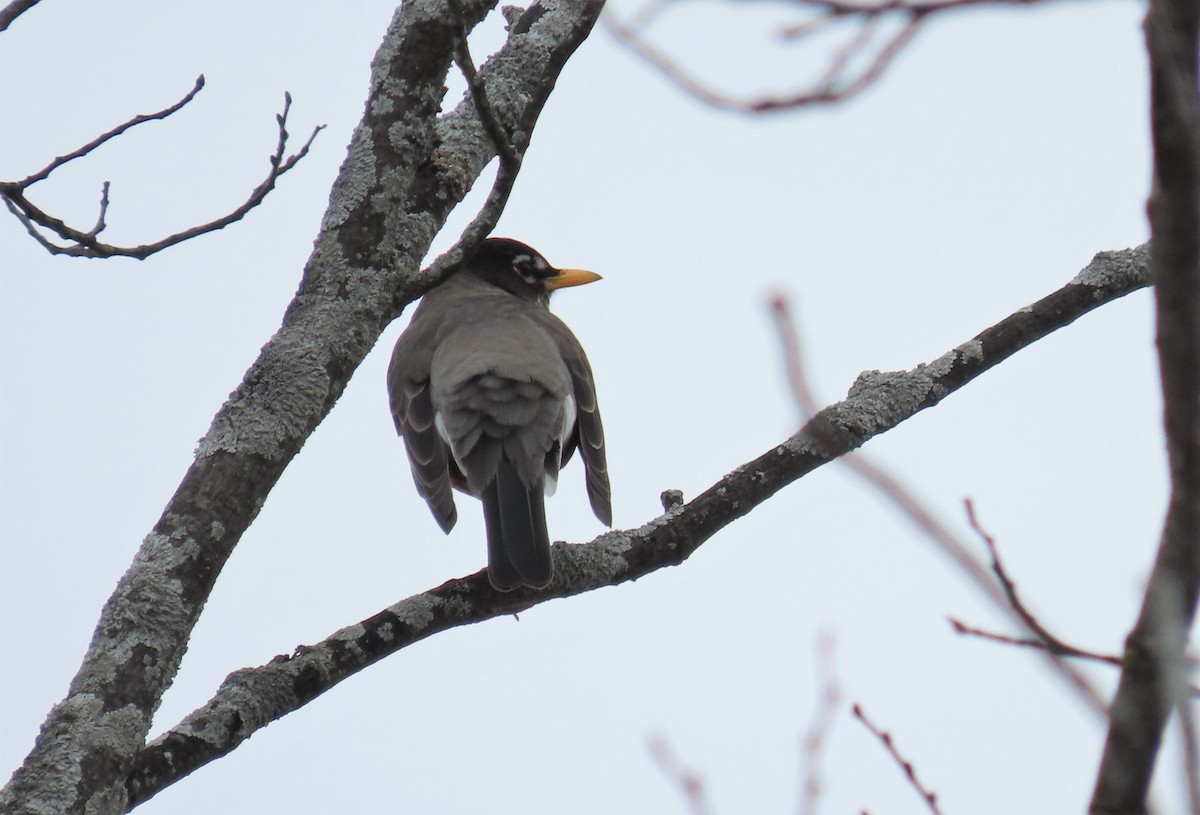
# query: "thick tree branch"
[[1153, 680], [14, 10], [250, 699], [405, 170]]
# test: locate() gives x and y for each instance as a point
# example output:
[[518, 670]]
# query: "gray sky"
[[1003, 149]]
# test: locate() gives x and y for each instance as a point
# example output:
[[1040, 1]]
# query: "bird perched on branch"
[[492, 394]]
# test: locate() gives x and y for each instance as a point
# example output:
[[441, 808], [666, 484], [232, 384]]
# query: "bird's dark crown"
[[514, 267]]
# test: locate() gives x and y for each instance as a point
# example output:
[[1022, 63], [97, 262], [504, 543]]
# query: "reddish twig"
[[1052, 643], [103, 138], [690, 785], [910, 772], [1038, 644], [81, 243], [840, 81], [836, 85], [818, 733], [895, 491], [831, 10]]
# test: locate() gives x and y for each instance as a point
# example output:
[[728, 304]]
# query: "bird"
[[492, 394]]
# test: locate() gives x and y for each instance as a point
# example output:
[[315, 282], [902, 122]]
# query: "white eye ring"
[[528, 267]]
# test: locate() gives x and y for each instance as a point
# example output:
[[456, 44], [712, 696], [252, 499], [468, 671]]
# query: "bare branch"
[[830, 10], [910, 772], [14, 10], [839, 81], [100, 223], [254, 697], [1053, 644], [1154, 678], [84, 243], [836, 85], [908, 503], [108, 136], [1037, 644], [690, 785], [818, 732]]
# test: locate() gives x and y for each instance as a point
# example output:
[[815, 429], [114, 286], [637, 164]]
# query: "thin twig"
[[904, 499], [100, 222], [831, 10], [1053, 644], [910, 772], [85, 244], [690, 785], [1037, 644], [837, 83], [141, 118], [833, 86], [818, 732]]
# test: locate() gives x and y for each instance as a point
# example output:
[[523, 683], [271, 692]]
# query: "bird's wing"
[[589, 431], [412, 410]]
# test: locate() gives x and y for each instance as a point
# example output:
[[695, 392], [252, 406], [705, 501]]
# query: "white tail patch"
[[440, 424]]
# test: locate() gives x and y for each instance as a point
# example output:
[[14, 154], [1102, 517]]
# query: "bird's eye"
[[526, 267]]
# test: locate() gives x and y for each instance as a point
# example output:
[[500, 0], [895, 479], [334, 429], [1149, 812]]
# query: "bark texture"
[[1153, 680], [406, 168]]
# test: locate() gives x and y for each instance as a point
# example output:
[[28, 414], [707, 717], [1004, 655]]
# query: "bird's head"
[[520, 270]]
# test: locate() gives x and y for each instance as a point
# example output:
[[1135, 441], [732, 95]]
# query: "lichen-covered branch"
[[405, 170], [1153, 681], [252, 698]]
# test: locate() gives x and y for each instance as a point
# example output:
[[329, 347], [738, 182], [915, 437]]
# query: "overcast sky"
[[1001, 151]]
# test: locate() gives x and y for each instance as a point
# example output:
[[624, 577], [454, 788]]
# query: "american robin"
[[492, 394]]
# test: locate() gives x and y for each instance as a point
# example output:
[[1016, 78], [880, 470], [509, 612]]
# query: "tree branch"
[[910, 772], [14, 10], [103, 138], [1153, 680], [1058, 648], [912, 508], [853, 67], [1052, 644], [405, 170], [251, 698], [84, 244]]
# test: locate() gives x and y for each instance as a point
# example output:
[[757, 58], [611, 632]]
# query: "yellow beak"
[[570, 277]]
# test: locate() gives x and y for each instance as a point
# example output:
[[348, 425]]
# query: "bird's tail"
[[518, 542]]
